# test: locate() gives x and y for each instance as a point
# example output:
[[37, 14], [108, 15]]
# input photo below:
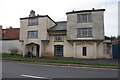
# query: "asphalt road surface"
[[23, 70]]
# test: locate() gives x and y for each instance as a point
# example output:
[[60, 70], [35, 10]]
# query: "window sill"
[[32, 25], [32, 38], [84, 55], [58, 41], [85, 37], [84, 22]]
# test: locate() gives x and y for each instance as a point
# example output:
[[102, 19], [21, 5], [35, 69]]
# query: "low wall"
[[11, 44]]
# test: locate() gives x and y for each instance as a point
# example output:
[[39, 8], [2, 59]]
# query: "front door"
[[58, 50], [37, 50]]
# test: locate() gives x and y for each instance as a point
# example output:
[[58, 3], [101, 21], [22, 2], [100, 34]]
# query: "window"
[[32, 35], [84, 51], [59, 38], [84, 18], [33, 22], [58, 50], [84, 32]]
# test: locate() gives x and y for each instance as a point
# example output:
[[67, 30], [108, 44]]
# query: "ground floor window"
[[58, 50], [84, 51]]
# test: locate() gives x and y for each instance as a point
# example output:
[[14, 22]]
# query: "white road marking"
[[33, 76]]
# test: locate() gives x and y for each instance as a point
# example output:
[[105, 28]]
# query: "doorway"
[[37, 50], [32, 50]]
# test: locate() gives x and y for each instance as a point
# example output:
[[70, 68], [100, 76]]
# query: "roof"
[[60, 26], [93, 10], [10, 34], [116, 41], [107, 38], [37, 17], [34, 17]]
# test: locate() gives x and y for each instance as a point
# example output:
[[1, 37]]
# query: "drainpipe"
[[24, 51], [96, 54], [41, 50], [74, 46]]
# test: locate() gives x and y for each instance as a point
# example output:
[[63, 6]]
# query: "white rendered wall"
[[10, 44]]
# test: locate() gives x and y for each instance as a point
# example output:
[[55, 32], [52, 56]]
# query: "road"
[[23, 70]]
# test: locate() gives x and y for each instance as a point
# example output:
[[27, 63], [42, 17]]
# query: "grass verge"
[[22, 59]]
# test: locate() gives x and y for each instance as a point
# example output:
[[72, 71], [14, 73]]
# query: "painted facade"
[[81, 36]]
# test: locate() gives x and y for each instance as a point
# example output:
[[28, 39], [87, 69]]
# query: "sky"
[[12, 10]]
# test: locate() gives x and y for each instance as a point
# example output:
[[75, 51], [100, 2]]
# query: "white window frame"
[[33, 22], [32, 34], [84, 32], [81, 18]]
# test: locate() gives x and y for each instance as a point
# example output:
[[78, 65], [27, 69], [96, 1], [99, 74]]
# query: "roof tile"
[[10, 34]]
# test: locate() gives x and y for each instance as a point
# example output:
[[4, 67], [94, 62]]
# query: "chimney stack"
[[32, 13], [93, 8]]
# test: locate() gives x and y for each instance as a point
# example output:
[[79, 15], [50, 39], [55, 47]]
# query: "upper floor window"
[[33, 22], [32, 34], [84, 17], [59, 38], [84, 32]]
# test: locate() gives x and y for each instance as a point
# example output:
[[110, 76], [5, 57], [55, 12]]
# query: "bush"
[[13, 51]]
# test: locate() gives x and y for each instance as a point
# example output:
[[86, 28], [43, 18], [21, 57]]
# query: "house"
[[81, 36], [10, 40]]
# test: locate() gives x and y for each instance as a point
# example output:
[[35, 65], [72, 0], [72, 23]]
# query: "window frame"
[[33, 21], [81, 18], [32, 36], [58, 36], [84, 32], [84, 51], [58, 50]]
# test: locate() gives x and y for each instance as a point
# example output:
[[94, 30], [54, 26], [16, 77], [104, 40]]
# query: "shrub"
[[13, 51]]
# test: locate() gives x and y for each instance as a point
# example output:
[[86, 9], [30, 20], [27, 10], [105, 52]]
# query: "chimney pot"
[[32, 13]]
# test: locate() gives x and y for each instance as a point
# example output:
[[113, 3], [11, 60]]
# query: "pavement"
[[109, 61], [72, 65]]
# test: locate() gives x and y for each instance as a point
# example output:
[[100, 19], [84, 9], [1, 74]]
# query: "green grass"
[[11, 56], [22, 59]]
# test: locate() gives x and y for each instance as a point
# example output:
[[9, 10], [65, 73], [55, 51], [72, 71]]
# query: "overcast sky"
[[12, 10]]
